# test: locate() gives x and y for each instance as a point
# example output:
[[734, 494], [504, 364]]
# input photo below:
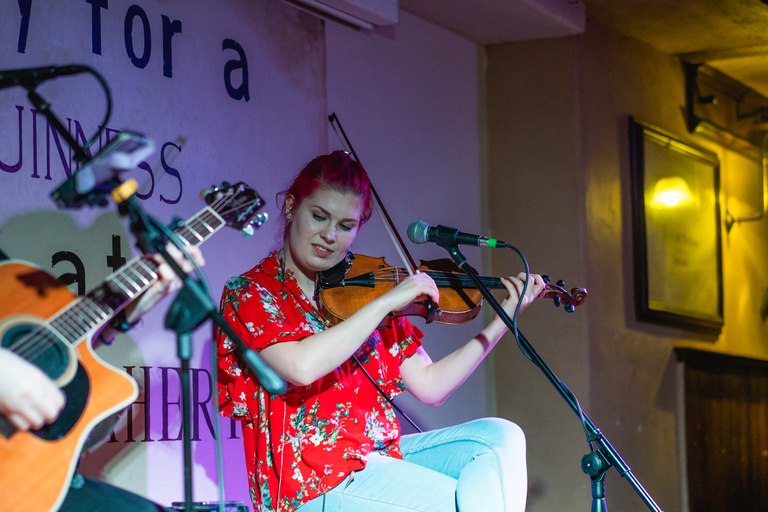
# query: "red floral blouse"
[[301, 445]]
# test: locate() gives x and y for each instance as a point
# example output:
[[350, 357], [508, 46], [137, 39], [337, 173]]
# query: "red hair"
[[337, 171]]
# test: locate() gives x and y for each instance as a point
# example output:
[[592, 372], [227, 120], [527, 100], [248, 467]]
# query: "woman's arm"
[[305, 361], [433, 382]]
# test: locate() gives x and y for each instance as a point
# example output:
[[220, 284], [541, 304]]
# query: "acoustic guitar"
[[44, 323]]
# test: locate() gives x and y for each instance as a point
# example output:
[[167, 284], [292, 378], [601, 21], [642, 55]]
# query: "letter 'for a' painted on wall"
[[135, 11], [241, 92], [169, 29]]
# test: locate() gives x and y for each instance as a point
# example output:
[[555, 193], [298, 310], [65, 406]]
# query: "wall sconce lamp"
[[730, 220], [742, 133], [671, 192]]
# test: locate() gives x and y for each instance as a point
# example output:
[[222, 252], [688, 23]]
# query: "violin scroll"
[[560, 295]]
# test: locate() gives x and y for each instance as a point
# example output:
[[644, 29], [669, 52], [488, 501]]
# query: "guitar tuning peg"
[[569, 307], [546, 279], [208, 191], [255, 223], [260, 219]]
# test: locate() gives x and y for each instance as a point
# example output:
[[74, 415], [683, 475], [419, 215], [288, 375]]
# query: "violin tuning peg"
[[569, 307], [561, 283], [546, 279], [556, 300]]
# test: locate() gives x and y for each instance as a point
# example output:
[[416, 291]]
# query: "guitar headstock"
[[237, 204]]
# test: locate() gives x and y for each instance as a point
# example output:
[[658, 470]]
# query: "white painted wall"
[[407, 97]]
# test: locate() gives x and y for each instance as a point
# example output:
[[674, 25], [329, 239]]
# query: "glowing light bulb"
[[670, 192]]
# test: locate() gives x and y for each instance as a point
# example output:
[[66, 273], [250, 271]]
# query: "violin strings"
[[440, 278]]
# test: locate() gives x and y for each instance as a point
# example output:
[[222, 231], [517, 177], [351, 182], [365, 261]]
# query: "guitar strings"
[[28, 346], [61, 326], [40, 336]]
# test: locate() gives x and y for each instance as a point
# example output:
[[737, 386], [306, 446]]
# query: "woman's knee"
[[500, 433]]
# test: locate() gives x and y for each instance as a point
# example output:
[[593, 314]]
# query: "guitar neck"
[[85, 315]]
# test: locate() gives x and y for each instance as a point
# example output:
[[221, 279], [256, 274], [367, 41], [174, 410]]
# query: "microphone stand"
[[190, 309], [44, 107], [594, 464]]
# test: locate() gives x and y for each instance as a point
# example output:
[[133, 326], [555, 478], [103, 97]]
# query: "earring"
[[288, 214]]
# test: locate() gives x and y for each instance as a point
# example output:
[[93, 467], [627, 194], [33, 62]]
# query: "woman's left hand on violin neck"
[[433, 382], [514, 286]]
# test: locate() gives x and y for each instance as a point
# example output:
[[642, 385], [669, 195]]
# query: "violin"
[[340, 297], [359, 279]]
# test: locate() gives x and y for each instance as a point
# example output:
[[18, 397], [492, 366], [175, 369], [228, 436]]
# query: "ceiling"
[[729, 35]]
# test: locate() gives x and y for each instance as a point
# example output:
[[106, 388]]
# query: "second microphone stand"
[[190, 309], [596, 463]]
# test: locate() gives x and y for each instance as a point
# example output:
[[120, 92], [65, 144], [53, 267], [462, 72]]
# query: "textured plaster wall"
[[536, 202], [559, 184]]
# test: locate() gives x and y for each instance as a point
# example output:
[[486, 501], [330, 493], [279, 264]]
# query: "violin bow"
[[394, 235], [408, 262]]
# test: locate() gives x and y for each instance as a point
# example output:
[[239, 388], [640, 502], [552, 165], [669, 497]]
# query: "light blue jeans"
[[478, 466]]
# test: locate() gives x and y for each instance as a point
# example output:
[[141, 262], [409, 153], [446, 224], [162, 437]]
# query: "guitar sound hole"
[[53, 358], [43, 349], [77, 397]]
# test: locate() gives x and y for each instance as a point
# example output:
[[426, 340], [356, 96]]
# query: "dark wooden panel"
[[726, 411]]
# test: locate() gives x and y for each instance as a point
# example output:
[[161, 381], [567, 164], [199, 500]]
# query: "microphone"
[[419, 232], [29, 77], [94, 180]]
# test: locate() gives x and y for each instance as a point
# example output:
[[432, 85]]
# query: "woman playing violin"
[[332, 442]]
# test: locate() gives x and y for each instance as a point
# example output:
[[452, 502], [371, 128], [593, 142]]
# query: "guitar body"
[[36, 467], [44, 323]]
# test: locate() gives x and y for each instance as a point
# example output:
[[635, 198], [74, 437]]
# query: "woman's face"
[[323, 227]]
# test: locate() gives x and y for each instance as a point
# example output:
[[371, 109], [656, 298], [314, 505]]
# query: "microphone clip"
[[98, 177], [445, 236]]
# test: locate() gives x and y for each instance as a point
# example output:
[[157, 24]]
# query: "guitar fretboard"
[[85, 315]]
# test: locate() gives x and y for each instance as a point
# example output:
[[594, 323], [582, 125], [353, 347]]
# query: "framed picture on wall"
[[676, 230]]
